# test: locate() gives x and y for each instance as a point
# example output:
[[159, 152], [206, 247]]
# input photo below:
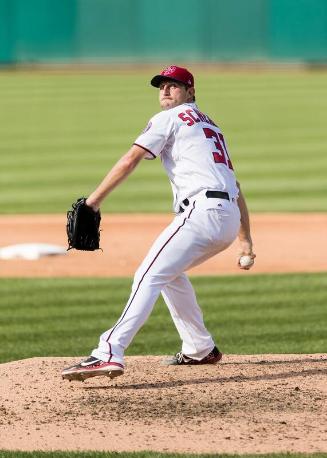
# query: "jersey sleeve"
[[155, 135]]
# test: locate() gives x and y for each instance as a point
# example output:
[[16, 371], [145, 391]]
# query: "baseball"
[[246, 261]]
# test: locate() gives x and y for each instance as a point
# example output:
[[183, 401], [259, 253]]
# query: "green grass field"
[[256, 314], [61, 132]]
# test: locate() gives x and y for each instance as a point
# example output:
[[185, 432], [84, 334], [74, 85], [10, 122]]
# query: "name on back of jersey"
[[192, 116]]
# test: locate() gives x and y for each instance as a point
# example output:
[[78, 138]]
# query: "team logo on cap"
[[169, 70]]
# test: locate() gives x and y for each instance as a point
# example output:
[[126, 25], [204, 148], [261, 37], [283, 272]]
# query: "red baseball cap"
[[174, 73]]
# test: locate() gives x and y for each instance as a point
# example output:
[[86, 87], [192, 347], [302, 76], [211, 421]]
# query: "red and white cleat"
[[92, 367]]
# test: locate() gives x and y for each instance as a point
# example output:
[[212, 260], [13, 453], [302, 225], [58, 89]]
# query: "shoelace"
[[180, 357]]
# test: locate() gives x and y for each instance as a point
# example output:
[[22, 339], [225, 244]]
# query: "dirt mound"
[[283, 243], [246, 404]]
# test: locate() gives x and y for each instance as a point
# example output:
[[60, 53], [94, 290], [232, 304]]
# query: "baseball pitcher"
[[210, 212]]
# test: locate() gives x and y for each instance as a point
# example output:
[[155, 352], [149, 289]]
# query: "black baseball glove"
[[83, 226]]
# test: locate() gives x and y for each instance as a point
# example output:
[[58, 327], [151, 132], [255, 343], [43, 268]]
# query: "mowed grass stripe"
[[284, 183], [286, 136], [246, 315], [101, 94], [296, 142], [61, 133]]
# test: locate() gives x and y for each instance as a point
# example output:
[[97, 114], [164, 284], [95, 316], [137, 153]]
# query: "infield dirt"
[[282, 242]]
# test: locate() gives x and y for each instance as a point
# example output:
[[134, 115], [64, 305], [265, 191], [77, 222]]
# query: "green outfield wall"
[[49, 31]]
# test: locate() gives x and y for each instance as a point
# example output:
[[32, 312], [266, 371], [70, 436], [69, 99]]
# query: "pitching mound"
[[246, 404]]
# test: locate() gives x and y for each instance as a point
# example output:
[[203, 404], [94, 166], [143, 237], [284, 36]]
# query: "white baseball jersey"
[[194, 154], [192, 149]]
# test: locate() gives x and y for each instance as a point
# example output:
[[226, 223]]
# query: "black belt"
[[210, 195]]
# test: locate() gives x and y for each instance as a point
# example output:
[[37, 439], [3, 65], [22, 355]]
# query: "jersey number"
[[221, 155]]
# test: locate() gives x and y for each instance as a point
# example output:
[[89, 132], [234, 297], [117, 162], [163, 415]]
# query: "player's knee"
[[151, 278]]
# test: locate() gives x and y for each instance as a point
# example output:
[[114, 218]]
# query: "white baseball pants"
[[205, 228]]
